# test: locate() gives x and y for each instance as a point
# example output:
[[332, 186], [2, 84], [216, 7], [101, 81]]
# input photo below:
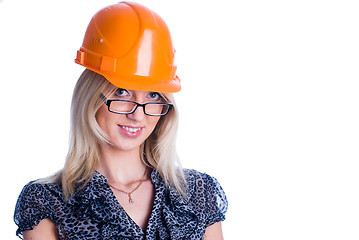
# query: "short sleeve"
[[216, 201], [33, 205]]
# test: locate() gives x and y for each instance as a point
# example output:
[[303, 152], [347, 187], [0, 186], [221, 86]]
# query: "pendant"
[[130, 200]]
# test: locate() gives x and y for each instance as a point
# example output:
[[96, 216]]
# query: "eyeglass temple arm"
[[104, 99]]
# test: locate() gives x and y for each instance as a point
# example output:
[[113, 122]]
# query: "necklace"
[[130, 200]]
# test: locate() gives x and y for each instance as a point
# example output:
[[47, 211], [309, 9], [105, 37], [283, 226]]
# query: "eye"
[[154, 96], [120, 92]]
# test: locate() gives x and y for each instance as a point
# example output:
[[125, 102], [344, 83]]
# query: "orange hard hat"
[[131, 47]]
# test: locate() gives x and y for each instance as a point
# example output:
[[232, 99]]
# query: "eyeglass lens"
[[128, 107]]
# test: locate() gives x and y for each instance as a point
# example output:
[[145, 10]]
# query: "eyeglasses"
[[127, 107]]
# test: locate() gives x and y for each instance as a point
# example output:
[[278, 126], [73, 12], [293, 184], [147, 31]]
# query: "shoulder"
[[206, 195], [35, 203], [39, 190], [37, 194], [198, 181]]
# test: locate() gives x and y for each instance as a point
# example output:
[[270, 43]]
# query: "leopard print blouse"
[[94, 212]]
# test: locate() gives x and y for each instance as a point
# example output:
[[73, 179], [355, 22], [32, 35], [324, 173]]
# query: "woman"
[[121, 178]]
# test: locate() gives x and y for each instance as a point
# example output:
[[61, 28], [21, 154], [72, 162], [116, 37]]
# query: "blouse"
[[94, 212]]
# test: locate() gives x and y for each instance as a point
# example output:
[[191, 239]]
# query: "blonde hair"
[[158, 151]]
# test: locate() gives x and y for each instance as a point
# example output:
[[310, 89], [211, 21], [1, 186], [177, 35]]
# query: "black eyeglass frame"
[[109, 101]]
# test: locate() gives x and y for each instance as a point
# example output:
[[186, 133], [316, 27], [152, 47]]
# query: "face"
[[128, 131]]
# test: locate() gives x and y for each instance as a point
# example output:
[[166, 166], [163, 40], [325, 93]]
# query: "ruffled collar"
[[172, 217]]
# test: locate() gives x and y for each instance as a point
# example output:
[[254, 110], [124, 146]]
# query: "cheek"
[[151, 125], [154, 121], [103, 117]]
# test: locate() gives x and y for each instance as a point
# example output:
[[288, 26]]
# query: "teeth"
[[131, 129]]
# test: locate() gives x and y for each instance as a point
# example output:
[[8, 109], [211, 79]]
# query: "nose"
[[138, 115]]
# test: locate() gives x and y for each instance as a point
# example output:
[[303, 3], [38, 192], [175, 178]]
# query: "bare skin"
[[214, 232], [46, 230], [121, 164]]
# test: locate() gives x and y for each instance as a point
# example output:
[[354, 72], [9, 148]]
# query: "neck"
[[124, 167]]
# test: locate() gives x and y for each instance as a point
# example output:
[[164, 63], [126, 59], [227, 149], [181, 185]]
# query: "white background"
[[269, 105]]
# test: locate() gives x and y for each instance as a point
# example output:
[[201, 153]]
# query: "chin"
[[125, 145]]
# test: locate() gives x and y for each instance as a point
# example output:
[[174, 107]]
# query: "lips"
[[131, 131]]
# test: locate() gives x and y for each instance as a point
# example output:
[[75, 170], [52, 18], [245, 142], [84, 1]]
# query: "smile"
[[131, 132], [130, 129]]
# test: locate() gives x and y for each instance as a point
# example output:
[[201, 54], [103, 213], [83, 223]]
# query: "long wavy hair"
[[158, 151]]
